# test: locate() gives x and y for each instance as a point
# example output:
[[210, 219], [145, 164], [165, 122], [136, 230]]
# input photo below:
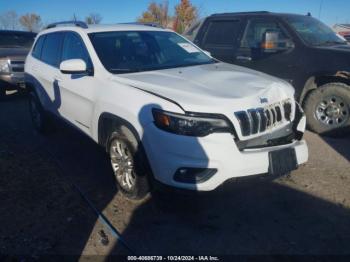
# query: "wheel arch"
[[321, 79], [107, 122]]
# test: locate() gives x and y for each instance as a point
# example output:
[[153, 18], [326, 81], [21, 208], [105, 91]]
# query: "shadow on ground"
[[342, 146]]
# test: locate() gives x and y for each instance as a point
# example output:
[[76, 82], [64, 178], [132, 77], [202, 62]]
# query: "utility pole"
[[320, 10]]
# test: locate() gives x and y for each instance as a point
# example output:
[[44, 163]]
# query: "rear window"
[[51, 51], [38, 47], [222, 32]]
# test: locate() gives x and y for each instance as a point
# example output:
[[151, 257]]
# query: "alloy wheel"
[[123, 165]]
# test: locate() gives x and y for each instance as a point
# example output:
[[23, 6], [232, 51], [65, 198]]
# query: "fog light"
[[194, 175]]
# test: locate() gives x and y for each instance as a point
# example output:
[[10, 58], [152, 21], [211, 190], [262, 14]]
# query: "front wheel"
[[129, 164], [327, 109]]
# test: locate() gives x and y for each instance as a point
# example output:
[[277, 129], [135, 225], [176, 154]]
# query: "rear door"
[[220, 36], [46, 68]]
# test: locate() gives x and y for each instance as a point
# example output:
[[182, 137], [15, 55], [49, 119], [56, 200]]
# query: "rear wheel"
[[2, 92], [129, 164], [38, 115], [328, 109]]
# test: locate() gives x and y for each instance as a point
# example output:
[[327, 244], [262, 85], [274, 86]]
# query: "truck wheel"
[[129, 164], [38, 115], [327, 109]]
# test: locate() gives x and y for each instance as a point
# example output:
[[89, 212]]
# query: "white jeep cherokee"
[[162, 107]]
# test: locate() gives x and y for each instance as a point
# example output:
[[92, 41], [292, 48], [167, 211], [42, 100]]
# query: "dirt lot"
[[42, 213]]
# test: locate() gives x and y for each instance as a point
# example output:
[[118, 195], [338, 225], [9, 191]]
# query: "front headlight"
[[4, 66], [191, 124]]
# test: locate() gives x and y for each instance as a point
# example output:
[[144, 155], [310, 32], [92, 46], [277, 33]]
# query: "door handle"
[[244, 58]]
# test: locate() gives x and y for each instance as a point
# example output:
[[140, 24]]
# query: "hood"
[[14, 52], [339, 48], [213, 88]]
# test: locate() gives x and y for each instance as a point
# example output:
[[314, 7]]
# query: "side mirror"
[[272, 43], [73, 66]]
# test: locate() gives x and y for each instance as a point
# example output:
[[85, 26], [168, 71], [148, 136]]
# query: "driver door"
[[282, 63], [77, 90]]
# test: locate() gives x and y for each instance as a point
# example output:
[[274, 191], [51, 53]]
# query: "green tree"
[[156, 13], [185, 15]]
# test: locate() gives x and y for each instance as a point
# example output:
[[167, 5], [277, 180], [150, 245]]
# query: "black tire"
[[2, 93], [38, 115], [333, 98], [140, 174]]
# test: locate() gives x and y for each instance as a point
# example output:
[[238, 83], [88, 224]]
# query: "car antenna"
[[309, 14]]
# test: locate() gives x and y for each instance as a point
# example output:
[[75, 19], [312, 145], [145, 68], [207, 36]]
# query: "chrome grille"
[[17, 66], [258, 120]]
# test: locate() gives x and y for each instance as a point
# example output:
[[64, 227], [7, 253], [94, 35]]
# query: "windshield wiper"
[[124, 70]]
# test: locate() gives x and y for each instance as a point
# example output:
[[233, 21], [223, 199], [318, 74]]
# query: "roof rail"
[[75, 23], [145, 24]]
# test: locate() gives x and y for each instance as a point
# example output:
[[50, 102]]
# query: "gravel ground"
[[41, 213]]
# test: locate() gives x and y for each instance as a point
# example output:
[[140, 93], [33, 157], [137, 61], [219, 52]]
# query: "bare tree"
[[9, 20], [31, 22], [93, 18], [156, 13], [186, 14]]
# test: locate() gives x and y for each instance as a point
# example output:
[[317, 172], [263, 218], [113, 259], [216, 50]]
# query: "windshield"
[[136, 51], [16, 40], [313, 31]]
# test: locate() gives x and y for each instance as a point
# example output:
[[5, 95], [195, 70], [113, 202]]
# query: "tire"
[[129, 164], [2, 93], [38, 115], [327, 109]]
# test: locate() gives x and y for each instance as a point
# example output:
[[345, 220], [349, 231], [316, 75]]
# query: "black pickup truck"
[[14, 47], [297, 48]]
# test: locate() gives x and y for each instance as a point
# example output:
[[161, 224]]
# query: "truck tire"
[[327, 109], [39, 117], [129, 164]]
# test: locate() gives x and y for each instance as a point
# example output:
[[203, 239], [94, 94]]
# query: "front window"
[[314, 32], [136, 51], [16, 40], [74, 48], [257, 28]]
